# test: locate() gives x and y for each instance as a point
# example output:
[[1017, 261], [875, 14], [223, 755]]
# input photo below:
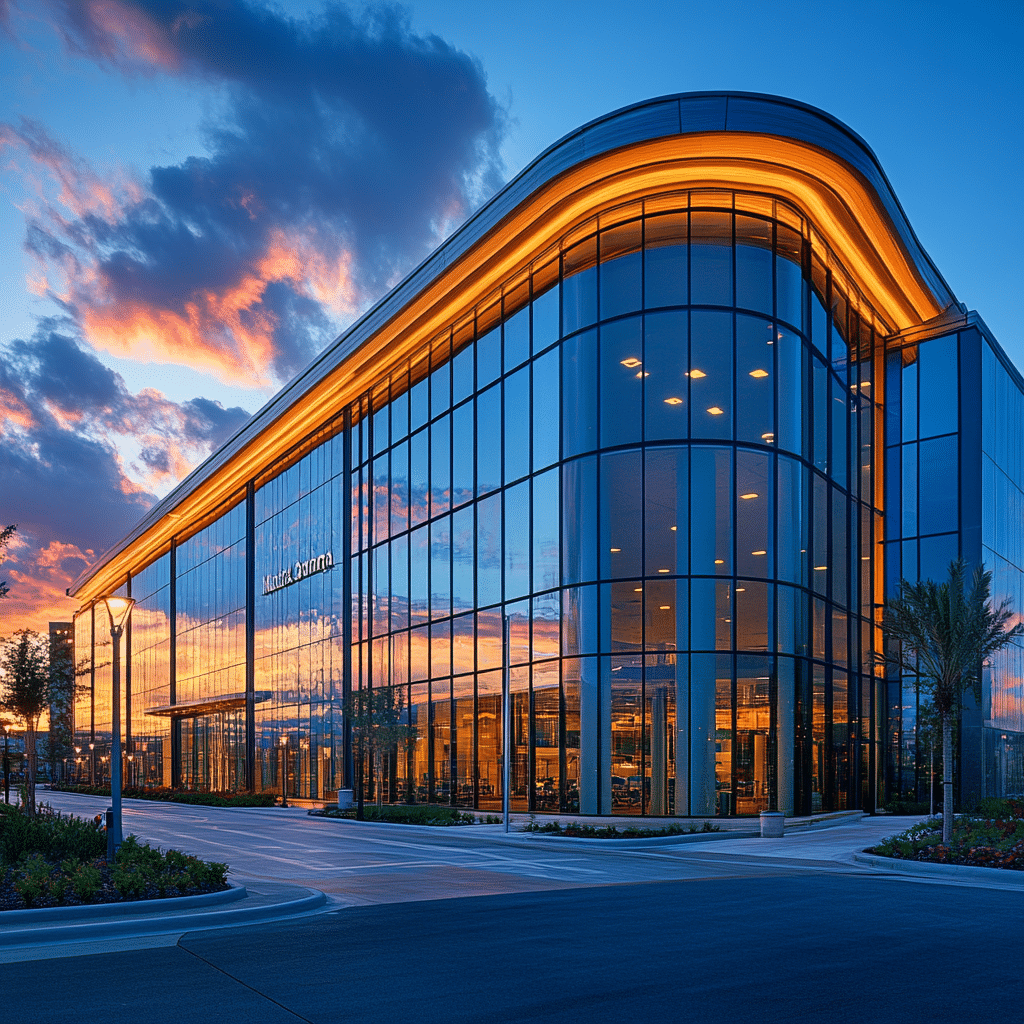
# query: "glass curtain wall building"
[[677, 405]]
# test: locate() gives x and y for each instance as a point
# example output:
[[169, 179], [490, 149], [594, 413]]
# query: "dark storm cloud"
[[347, 148]]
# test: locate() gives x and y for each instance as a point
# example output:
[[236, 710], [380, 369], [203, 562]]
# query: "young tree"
[[25, 674], [378, 724], [5, 535], [944, 633]]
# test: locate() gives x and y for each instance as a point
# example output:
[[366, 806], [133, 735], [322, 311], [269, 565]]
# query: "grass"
[[54, 860], [991, 837], [576, 830]]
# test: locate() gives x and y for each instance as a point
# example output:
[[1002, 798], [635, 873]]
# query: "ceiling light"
[[665, 607], [673, 401], [671, 527], [638, 590], [741, 590], [697, 374], [719, 561], [747, 497], [820, 568], [664, 570], [630, 362], [759, 373], [759, 552], [615, 550], [769, 437], [642, 374], [715, 411]]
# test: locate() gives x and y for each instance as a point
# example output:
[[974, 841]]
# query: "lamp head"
[[118, 608]]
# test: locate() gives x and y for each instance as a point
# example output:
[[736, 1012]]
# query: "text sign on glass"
[[298, 571]]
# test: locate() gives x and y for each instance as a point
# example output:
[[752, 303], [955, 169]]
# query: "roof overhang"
[[207, 706], [852, 208]]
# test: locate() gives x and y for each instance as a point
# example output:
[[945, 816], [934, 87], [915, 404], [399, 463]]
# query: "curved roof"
[[709, 139]]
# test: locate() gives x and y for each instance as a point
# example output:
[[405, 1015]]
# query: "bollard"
[[773, 824], [110, 834]]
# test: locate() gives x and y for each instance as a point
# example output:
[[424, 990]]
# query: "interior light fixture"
[[664, 570], [820, 568], [740, 590], [719, 561], [673, 401], [715, 411], [759, 373], [615, 551], [697, 374], [747, 497], [665, 607], [768, 437], [630, 362], [642, 374], [759, 552], [672, 528], [638, 590], [865, 558]]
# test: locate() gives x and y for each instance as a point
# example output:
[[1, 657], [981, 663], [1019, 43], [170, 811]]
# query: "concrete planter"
[[773, 824]]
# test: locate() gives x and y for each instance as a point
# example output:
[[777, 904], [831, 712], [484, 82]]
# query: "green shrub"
[[32, 879], [181, 796], [405, 814], [50, 833], [86, 881]]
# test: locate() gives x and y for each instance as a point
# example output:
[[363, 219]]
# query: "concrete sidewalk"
[[110, 927]]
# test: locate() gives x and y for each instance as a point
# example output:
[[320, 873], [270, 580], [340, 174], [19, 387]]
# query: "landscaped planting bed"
[[414, 814], [180, 796], [577, 830], [991, 837], [58, 860]]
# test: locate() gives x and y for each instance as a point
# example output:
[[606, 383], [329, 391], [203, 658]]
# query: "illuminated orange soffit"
[[837, 200]]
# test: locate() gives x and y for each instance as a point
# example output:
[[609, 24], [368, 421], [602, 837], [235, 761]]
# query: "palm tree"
[[943, 633]]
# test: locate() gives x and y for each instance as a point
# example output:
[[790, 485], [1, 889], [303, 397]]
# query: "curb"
[[963, 872], [90, 931], [92, 911], [529, 838]]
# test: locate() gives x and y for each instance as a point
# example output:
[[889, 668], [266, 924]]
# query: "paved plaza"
[[468, 924]]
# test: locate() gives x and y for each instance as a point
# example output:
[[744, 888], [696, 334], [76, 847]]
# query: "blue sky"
[[191, 210]]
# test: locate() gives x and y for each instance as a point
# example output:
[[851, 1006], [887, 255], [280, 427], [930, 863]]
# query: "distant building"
[[683, 403]]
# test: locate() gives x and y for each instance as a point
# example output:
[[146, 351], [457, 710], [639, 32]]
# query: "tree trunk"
[[947, 780], [359, 782], [30, 777], [378, 770]]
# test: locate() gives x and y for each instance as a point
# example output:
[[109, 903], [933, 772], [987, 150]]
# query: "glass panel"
[[419, 477], [665, 376], [792, 388], [665, 255], [579, 286], [546, 556], [579, 494], [755, 380], [462, 455], [400, 582], [545, 410], [488, 441], [937, 497], [660, 729], [622, 621], [626, 726], [753, 717], [789, 284], [711, 373], [488, 358], [711, 511], [666, 604], [621, 382], [939, 383], [440, 466], [710, 258], [754, 265], [545, 319], [400, 488], [517, 339], [621, 518], [440, 568], [546, 729], [517, 425], [488, 550], [462, 375], [754, 505], [579, 394], [517, 541], [620, 277], [419, 551], [753, 615], [462, 560], [666, 511], [489, 755]]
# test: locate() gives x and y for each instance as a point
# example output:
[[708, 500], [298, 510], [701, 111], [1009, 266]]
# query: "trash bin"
[[773, 824], [345, 800]]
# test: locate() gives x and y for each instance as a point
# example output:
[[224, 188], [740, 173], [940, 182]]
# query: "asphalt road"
[[781, 947]]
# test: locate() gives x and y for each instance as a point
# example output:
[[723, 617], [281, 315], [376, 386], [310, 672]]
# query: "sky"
[[198, 196]]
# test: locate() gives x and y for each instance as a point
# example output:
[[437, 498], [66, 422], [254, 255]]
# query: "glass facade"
[[680, 456]]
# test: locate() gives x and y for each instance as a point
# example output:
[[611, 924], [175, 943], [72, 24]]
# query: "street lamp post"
[[118, 609], [284, 770], [92, 763]]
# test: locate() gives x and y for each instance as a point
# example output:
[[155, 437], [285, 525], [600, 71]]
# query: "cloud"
[[64, 419], [347, 149]]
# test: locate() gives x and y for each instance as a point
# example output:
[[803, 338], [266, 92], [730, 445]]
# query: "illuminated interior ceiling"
[[837, 199]]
